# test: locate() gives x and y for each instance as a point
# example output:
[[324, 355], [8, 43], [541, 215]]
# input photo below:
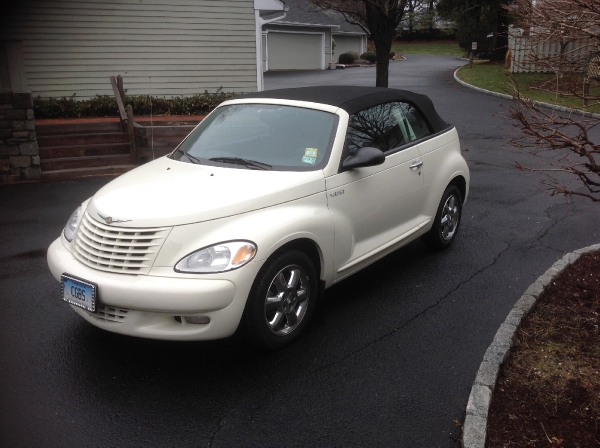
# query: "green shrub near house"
[[346, 58], [106, 105], [369, 56]]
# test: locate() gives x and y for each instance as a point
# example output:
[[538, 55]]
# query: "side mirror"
[[366, 156]]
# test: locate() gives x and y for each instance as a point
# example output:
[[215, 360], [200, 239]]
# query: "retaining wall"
[[19, 153]]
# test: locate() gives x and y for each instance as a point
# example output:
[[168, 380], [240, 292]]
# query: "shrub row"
[[106, 105], [350, 57]]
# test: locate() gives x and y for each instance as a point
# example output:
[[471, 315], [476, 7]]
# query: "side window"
[[416, 121], [385, 126]]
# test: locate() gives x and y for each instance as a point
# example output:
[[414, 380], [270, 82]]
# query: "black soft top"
[[355, 98]]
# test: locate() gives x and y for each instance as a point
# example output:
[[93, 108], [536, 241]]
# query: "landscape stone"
[[35, 160], [552, 271], [525, 303], [479, 401], [572, 257], [5, 124], [474, 431], [21, 134], [9, 150], [20, 161], [32, 136], [535, 289], [514, 317], [496, 353], [32, 173], [23, 125], [29, 148], [487, 375], [30, 115], [16, 140], [15, 115], [505, 334], [4, 166]]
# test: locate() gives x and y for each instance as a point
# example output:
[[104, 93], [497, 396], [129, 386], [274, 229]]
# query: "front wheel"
[[447, 219], [281, 300]]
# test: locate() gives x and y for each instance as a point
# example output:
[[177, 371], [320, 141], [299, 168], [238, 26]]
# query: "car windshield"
[[262, 137]]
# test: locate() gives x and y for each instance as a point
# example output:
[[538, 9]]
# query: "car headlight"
[[72, 224], [221, 257]]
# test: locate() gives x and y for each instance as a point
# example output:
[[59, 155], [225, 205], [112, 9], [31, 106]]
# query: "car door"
[[374, 208]]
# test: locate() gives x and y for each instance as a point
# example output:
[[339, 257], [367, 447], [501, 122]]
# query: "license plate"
[[79, 292]]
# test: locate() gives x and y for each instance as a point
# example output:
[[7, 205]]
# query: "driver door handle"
[[417, 164]]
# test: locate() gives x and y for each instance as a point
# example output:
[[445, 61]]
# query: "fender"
[[269, 228]]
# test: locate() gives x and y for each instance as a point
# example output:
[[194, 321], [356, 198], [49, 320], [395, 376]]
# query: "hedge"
[[106, 105]]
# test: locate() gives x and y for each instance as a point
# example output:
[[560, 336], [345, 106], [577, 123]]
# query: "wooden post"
[[131, 133], [122, 112], [120, 87], [472, 54], [586, 91]]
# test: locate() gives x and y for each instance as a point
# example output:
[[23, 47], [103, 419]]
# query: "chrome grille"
[[110, 313], [117, 249]]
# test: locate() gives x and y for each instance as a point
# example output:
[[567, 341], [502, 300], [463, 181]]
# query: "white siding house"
[[163, 47]]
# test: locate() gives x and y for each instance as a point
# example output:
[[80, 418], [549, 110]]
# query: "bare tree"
[[379, 18], [566, 142]]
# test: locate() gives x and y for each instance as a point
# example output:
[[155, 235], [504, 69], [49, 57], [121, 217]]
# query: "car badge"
[[110, 219]]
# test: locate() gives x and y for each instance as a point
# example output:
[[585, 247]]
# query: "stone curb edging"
[[474, 428], [537, 103]]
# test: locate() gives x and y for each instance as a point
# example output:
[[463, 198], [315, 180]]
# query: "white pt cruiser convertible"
[[274, 197]]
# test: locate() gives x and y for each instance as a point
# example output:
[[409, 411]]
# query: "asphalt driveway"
[[388, 361]]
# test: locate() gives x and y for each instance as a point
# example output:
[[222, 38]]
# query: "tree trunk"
[[411, 11], [430, 20], [382, 50]]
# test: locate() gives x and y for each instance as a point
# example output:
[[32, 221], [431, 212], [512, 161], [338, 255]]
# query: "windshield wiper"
[[245, 162], [191, 158]]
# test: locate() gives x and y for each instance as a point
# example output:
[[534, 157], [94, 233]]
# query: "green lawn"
[[446, 48], [492, 77]]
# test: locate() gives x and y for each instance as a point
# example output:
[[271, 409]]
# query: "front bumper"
[[155, 306]]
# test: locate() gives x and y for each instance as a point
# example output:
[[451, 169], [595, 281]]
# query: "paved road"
[[388, 361]]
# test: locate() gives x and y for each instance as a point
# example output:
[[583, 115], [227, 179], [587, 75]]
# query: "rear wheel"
[[447, 219], [281, 300]]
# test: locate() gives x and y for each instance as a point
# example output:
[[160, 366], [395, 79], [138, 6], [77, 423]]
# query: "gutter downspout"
[[259, 48]]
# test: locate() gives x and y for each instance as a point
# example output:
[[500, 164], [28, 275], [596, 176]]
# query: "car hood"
[[167, 192]]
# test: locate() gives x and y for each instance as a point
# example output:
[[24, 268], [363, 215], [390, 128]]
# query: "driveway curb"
[[538, 103], [474, 428]]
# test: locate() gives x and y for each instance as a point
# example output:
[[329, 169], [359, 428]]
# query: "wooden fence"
[[526, 53]]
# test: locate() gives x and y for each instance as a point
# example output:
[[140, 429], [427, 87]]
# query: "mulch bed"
[[548, 392]]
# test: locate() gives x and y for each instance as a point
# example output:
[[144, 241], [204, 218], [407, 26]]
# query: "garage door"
[[290, 51], [343, 44]]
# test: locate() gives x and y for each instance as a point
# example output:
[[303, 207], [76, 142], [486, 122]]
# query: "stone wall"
[[19, 153]]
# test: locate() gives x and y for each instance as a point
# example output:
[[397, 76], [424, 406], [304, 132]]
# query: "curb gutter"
[[537, 103], [474, 428]]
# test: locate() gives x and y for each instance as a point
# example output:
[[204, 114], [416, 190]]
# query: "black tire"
[[279, 306], [447, 220]]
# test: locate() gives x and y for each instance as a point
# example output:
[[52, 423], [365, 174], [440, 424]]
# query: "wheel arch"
[[460, 183], [312, 250]]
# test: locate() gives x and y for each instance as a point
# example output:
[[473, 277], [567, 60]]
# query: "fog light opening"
[[200, 320], [177, 318]]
